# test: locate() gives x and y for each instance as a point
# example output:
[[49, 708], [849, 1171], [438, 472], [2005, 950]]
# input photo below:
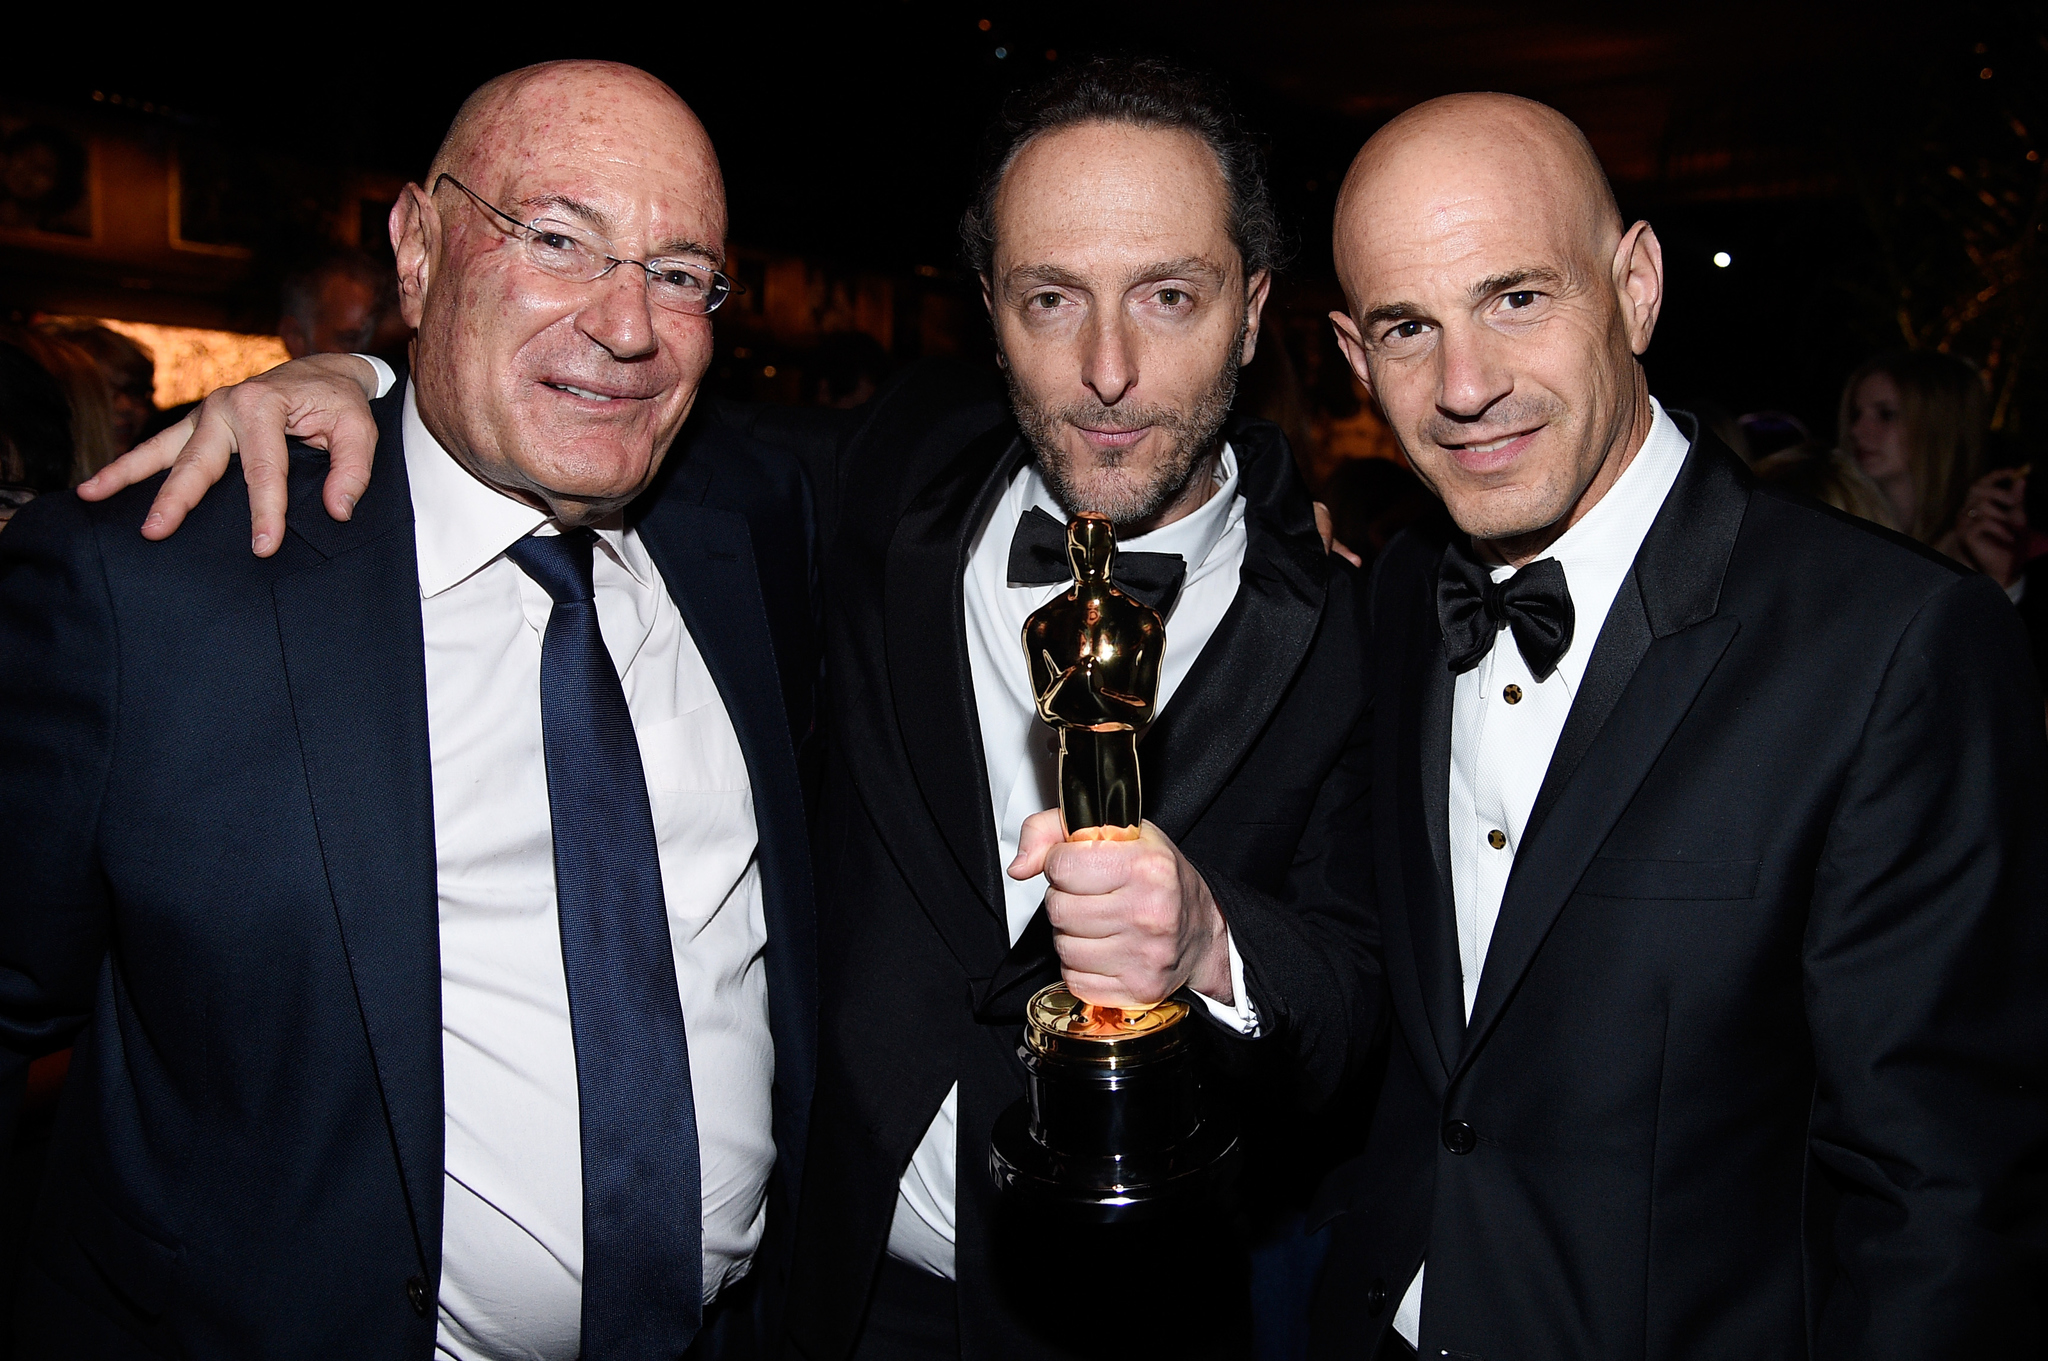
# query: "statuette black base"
[[1114, 1128]]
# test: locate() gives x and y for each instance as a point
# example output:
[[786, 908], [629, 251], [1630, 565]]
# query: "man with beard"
[[1125, 241]]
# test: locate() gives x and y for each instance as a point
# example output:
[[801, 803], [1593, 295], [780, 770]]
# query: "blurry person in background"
[[87, 397], [335, 305], [130, 371], [1914, 421], [1829, 476], [35, 431], [849, 367]]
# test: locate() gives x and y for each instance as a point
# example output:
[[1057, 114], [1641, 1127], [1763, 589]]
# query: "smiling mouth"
[[1491, 446], [575, 391]]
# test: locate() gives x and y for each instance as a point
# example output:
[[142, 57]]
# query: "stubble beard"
[[1104, 483]]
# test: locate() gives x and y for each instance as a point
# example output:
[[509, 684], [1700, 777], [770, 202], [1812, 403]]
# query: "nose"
[[618, 315], [1110, 365], [1470, 378]]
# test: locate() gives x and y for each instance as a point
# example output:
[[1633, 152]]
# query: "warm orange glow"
[[191, 363], [1106, 834]]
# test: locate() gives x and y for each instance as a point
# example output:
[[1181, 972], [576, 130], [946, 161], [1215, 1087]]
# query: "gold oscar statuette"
[[1113, 1127]]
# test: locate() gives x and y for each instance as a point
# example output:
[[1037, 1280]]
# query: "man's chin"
[[1504, 513]]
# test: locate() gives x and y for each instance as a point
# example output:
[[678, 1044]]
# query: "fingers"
[[1105, 990], [266, 467], [1041, 833], [145, 460], [1327, 527], [352, 449], [200, 463]]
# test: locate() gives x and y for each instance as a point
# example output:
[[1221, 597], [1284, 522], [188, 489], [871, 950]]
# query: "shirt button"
[[1513, 694], [1460, 1138], [1496, 838]]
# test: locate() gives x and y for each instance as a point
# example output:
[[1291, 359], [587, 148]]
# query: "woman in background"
[[1915, 422]]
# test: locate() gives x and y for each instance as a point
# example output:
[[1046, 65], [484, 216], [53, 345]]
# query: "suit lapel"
[[930, 681], [1432, 918], [355, 662], [1676, 582], [1222, 706]]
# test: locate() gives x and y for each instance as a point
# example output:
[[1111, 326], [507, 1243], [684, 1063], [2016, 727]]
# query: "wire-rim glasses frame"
[[567, 252]]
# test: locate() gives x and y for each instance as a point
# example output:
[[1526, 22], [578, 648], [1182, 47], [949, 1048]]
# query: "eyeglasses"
[[567, 252]]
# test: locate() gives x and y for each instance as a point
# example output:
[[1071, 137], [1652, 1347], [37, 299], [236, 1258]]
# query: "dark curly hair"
[[1146, 92]]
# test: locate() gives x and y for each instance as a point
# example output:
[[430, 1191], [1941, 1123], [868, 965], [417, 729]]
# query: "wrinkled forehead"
[[621, 166], [1443, 222], [1113, 195]]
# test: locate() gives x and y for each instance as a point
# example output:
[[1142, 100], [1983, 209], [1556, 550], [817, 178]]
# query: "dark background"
[[1865, 166]]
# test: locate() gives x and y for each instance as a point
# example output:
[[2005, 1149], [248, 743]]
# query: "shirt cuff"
[[1244, 1017], [387, 377]]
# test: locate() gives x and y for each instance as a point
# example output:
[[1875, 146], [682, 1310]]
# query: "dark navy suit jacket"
[[216, 819]]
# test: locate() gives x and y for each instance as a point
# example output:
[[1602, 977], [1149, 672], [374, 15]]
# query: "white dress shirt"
[[1022, 756], [1501, 749], [512, 1239]]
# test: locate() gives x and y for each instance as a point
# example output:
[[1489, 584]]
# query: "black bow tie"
[[1473, 608], [1038, 557]]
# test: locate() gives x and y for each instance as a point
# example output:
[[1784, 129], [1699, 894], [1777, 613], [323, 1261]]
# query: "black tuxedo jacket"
[[1257, 770], [1756, 1063], [217, 824]]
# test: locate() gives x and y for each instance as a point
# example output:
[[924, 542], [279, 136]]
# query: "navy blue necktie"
[[643, 1233]]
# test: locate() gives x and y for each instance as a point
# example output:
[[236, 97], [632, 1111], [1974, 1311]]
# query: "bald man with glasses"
[[438, 950]]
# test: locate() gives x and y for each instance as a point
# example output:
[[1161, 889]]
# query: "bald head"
[[1496, 309], [1445, 155], [575, 110], [543, 364]]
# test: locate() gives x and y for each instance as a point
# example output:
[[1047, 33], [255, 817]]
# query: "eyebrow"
[[601, 223], [1184, 267], [1513, 280], [1489, 287]]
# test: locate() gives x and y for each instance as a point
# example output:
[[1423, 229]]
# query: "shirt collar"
[[1193, 536], [461, 525]]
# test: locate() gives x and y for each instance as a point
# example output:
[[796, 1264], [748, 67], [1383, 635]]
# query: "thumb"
[[1042, 832]]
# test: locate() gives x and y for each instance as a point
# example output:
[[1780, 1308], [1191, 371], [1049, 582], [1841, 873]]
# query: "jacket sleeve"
[[1312, 953], [1926, 970], [58, 709]]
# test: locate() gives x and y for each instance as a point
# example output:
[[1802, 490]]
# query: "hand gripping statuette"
[[1113, 1128]]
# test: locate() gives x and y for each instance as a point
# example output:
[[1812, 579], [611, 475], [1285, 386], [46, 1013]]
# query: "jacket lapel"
[[1431, 918], [1677, 580], [355, 662], [1231, 691], [930, 681]]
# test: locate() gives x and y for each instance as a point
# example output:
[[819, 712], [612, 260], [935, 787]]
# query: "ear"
[[415, 228], [1353, 346], [1254, 306], [1639, 281], [988, 300]]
